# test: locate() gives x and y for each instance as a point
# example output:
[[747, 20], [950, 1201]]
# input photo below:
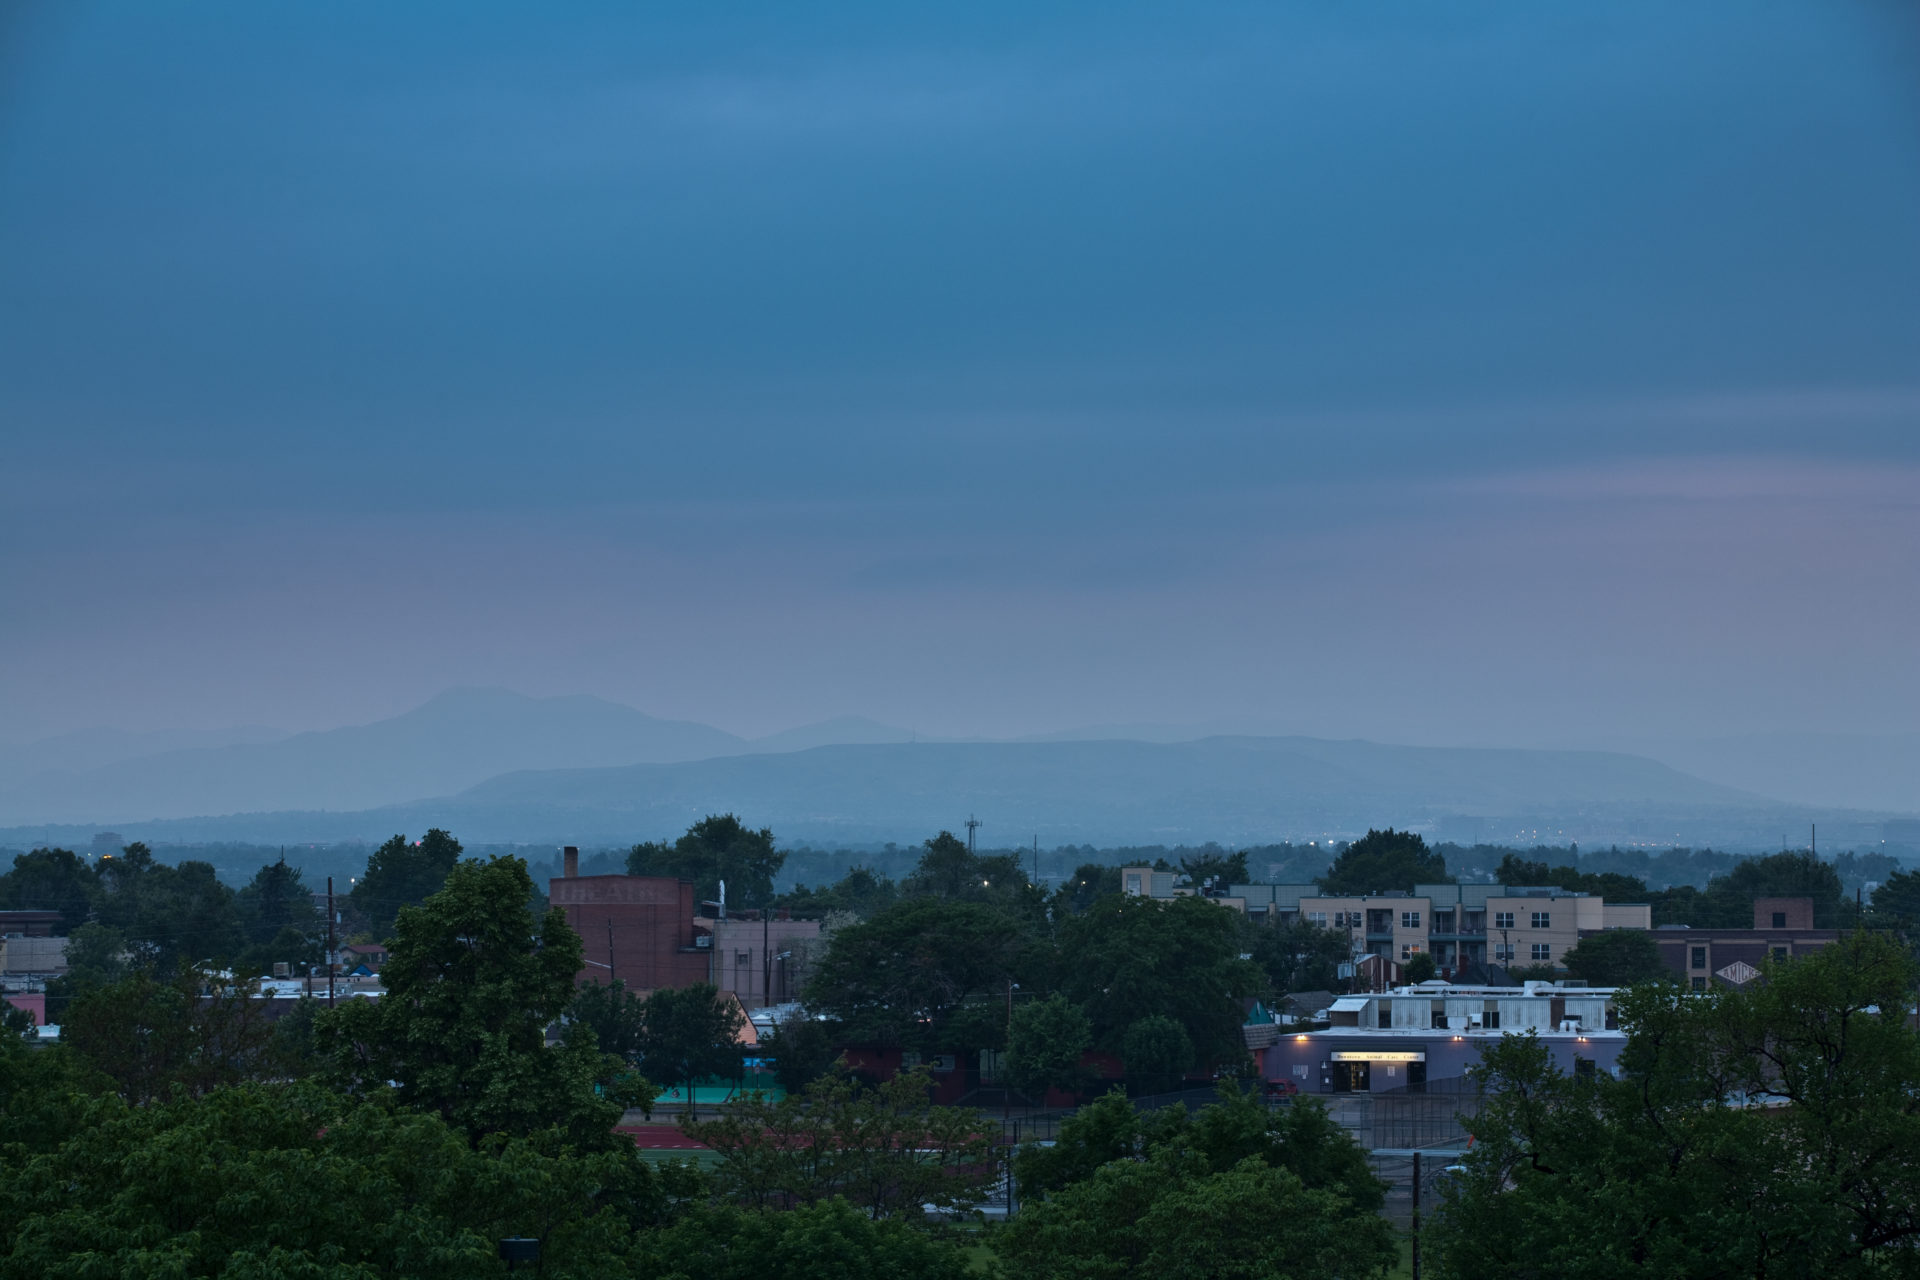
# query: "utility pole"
[[329, 942], [610, 971], [1416, 1215], [1006, 1102], [973, 824], [766, 954], [1036, 860]]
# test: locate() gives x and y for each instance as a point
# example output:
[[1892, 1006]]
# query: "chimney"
[[570, 862]]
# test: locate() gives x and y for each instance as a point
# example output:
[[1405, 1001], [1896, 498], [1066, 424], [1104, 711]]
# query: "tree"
[[50, 880], [1764, 1130], [188, 1034], [885, 1148], [1616, 958], [1613, 886], [827, 1240], [904, 977], [1382, 861], [1420, 968], [716, 848], [616, 1016], [802, 1049], [1220, 868], [1896, 903], [1157, 1053], [947, 868], [1091, 881], [1298, 955], [1129, 958], [861, 893], [1045, 1045], [1233, 1190], [169, 917], [262, 1182], [402, 875], [688, 1034], [472, 985], [278, 919]]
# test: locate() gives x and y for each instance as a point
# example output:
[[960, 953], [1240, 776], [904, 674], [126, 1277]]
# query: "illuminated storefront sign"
[[1378, 1055]]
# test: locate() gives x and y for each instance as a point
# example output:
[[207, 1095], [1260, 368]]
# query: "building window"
[[1133, 883], [1699, 984], [1779, 953], [1408, 950], [1542, 920], [1317, 917], [1503, 951], [1699, 958], [1542, 951], [1409, 919], [1779, 919], [1583, 1067], [1490, 1019], [1503, 919]]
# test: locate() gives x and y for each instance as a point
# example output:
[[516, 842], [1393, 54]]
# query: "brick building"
[[645, 931], [639, 929], [1701, 958]]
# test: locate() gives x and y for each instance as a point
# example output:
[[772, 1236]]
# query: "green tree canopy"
[[1766, 1130], [904, 977], [1384, 860], [861, 893], [1157, 1052], [803, 1049], [1616, 958], [1222, 868], [1234, 1189], [277, 899], [615, 1015], [1044, 1047], [827, 1240], [472, 985], [188, 1034], [1611, 885], [399, 875], [1090, 882], [292, 1183], [50, 880], [688, 1034], [1128, 958], [716, 848], [1896, 903], [885, 1148], [168, 917]]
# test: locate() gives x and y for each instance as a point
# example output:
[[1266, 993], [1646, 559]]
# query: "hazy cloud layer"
[[1487, 375]]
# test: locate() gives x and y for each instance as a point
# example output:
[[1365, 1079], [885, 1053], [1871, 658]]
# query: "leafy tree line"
[[1771, 1130], [399, 1136]]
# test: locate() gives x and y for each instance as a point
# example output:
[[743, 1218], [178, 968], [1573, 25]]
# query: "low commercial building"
[[1409, 1037], [1704, 958]]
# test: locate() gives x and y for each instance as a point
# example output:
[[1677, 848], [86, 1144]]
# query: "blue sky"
[[1478, 373]]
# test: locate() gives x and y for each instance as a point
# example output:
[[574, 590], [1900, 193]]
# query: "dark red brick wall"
[[642, 926]]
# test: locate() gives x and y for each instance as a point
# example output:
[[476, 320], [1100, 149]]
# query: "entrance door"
[[1358, 1076]]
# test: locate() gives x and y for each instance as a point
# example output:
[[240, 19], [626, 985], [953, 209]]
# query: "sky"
[[1471, 373]]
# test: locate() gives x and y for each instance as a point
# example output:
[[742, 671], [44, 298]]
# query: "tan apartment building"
[[1457, 924]]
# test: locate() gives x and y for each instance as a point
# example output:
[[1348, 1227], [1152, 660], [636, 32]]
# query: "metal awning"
[[1350, 1004]]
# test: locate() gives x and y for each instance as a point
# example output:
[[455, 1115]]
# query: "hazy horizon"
[[1480, 376]]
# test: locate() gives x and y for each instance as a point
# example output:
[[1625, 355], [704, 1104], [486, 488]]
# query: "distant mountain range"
[[498, 767], [452, 742]]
